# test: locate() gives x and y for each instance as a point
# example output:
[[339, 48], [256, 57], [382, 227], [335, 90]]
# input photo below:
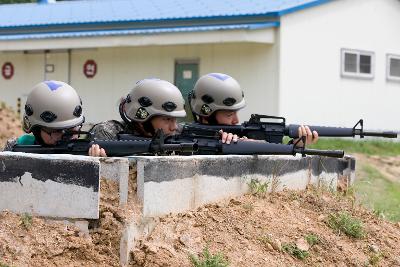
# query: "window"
[[393, 67], [356, 63]]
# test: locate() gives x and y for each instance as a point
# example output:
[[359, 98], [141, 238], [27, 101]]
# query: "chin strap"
[[122, 112]]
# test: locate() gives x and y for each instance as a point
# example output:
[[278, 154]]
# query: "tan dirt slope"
[[10, 125], [249, 231]]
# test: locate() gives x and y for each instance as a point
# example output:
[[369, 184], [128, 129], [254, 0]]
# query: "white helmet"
[[152, 97], [53, 104], [216, 91]]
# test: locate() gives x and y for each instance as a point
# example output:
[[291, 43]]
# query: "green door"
[[186, 75]]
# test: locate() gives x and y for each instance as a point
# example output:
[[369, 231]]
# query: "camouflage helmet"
[[216, 91], [52, 104], [151, 97]]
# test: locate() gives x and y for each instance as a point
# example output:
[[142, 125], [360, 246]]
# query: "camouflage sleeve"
[[10, 143], [107, 130]]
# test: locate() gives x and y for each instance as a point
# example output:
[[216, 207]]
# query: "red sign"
[[7, 70], [90, 68]]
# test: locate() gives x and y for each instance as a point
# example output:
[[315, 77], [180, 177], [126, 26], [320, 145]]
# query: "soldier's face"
[[52, 136], [226, 117], [165, 123]]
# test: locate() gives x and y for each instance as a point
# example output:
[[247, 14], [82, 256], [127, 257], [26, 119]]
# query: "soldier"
[[52, 108], [151, 105], [217, 98]]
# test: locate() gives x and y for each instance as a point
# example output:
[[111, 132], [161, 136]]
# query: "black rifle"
[[113, 148], [185, 144], [274, 131], [211, 144]]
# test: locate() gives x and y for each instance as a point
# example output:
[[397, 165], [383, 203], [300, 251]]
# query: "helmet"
[[216, 91], [152, 97], [52, 104]]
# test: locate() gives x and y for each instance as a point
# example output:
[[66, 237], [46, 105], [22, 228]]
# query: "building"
[[312, 61]]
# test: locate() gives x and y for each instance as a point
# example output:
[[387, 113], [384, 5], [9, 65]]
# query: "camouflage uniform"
[[10, 144], [109, 130]]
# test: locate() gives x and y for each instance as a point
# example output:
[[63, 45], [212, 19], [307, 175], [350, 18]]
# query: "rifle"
[[114, 148], [211, 144], [185, 144], [274, 131]]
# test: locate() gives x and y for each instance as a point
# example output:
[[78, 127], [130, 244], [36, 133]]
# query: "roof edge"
[[301, 7]]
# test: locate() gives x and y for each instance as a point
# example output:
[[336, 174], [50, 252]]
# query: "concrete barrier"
[[175, 184], [62, 186], [68, 187]]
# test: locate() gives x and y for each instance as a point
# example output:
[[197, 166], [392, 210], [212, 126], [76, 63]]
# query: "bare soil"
[[10, 125], [239, 228], [46, 242]]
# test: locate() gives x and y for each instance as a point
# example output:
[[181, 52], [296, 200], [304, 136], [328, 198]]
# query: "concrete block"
[[175, 183], [63, 186], [116, 169]]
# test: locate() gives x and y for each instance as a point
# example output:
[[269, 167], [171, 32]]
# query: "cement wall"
[[253, 65], [175, 184], [50, 185], [68, 187], [310, 64]]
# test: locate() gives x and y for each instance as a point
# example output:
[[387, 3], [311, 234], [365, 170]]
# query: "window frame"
[[388, 76], [357, 74]]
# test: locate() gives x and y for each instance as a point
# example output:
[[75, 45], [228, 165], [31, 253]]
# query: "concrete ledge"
[[63, 186], [175, 183]]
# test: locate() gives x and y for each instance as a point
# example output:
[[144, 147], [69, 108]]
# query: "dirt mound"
[[292, 228], [10, 125], [272, 231], [27, 241]]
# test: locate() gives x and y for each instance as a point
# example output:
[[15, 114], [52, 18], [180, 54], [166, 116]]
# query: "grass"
[[371, 188], [26, 220], [3, 264], [374, 259], [368, 147], [258, 188], [206, 259], [342, 222], [312, 239], [378, 194], [293, 250]]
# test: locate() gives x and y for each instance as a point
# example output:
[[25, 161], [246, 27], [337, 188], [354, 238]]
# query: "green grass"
[[368, 147], [206, 259], [312, 239], [26, 220], [258, 188], [293, 250], [3, 264], [342, 222], [379, 194]]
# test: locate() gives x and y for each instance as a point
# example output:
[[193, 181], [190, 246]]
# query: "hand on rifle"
[[311, 137], [96, 151], [227, 138]]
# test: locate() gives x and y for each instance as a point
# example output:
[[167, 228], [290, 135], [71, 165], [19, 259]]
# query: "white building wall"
[[311, 87], [253, 65]]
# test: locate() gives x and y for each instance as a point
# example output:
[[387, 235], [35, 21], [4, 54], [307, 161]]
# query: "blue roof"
[[65, 13], [143, 31]]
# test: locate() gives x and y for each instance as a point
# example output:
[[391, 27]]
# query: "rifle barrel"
[[326, 131], [263, 148]]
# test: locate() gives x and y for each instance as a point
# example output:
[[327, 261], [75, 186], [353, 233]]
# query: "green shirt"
[[26, 139]]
